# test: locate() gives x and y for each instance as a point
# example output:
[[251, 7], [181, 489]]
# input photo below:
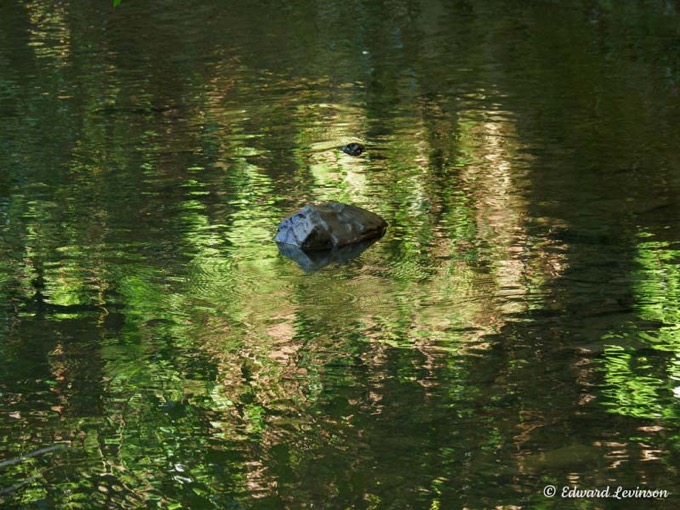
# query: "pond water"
[[517, 327]]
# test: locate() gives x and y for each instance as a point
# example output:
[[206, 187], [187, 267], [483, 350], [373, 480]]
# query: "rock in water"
[[353, 149], [329, 225]]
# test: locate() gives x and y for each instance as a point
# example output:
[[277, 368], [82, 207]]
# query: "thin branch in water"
[[36, 453], [17, 486]]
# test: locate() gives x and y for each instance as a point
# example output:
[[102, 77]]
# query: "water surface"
[[518, 325]]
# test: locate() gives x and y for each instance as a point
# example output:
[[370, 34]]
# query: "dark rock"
[[329, 225], [311, 261], [353, 149]]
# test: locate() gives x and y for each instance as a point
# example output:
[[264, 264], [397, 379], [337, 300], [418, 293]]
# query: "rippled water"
[[517, 327]]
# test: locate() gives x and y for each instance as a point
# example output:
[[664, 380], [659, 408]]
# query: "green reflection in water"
[[635, 386], [642, 382]]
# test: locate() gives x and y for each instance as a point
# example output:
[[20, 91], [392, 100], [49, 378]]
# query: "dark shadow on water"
[[312, 261]]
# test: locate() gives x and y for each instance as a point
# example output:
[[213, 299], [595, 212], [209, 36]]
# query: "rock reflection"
[[311, 261]]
